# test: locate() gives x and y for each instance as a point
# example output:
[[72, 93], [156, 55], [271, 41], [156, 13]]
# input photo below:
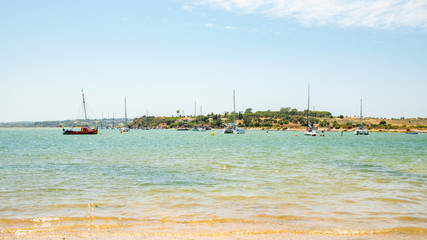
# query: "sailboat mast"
[[234, 107], [308, 104], [360, 113], [126, 114], [84, 104], [194, 113], [146, 118]]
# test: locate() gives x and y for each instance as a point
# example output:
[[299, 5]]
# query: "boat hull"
[[361, 132], [239, 131], [310, 133], [88, 132], [228, 131]]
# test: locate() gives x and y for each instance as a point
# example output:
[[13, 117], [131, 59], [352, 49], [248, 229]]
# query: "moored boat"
[[80, 129], [228, 128], [310, 131], [361, 130], [125, 128], [146, 121], [411, 132], [232, 127]]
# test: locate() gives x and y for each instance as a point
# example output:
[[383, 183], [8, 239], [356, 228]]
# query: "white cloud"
[[382, 14], [230, 28], [188, 8]]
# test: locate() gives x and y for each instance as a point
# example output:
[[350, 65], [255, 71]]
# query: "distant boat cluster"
[[230, 128]]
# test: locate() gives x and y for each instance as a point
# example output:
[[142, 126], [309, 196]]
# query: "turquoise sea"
[[166, 184]]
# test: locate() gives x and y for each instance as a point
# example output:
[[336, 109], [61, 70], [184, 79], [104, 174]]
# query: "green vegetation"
[[282, 119]]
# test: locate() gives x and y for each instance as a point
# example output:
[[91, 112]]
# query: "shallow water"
[[170, 184]]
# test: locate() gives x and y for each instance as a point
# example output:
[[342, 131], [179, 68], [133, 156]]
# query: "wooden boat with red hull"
[[81, 129], [77, 130]]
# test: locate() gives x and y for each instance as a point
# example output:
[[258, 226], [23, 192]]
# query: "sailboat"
[[311, 131], [232, 127], [202, 128], [195, 128], [361, 131], [81, 129], [125, 128], [146, 120]]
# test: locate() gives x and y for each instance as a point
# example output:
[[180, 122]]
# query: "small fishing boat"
[[361, 130], [80, 129], [411, 132]]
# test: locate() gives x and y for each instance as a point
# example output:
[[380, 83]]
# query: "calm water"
[[170, 184]]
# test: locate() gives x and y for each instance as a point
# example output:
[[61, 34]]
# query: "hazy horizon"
[[165, 55]]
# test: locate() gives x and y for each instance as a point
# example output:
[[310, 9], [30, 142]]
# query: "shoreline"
[[262, 129], [341, 130], [278, 227]]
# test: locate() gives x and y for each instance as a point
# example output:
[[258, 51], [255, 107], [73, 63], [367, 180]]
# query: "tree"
[[246, 120], [285, 110], [248, 110], [216, 123], [294, 112]]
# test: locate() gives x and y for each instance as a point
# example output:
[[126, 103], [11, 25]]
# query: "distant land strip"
[[284, 119]]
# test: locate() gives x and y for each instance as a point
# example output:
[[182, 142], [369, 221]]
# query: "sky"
[[165, 55]]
